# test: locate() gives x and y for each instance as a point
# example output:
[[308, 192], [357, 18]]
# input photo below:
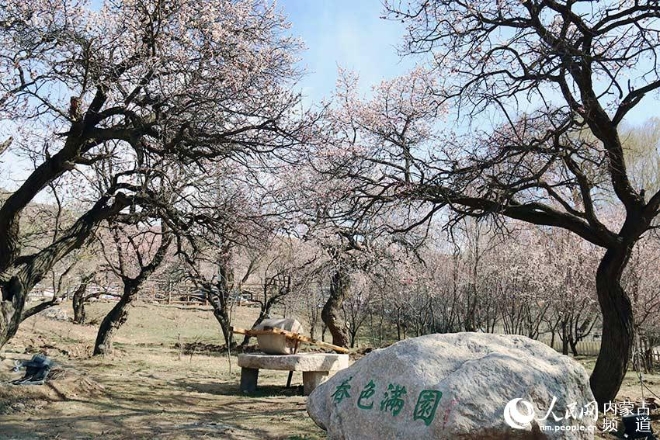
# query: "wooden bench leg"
[[249, 377], [312, 379]]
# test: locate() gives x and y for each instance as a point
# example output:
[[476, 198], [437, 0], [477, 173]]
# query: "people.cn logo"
[[517, 419]]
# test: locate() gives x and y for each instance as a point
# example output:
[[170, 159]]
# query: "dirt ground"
[[166, 380], [148, 388]]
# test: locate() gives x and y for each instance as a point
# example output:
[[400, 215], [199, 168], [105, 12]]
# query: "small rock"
[[56, 314]]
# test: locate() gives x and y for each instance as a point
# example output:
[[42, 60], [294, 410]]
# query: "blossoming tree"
[[541, 88], [130, 86]]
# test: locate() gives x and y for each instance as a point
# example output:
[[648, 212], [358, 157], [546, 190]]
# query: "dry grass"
[[148, 388], [151, 389]]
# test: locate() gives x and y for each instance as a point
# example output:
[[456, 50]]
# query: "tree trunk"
[[552, 338], [648, 361], [220, 311], [119, 313], [331, 313], [353, 336], [617, 338], [219, 302], [11, 309], [79, 314], [79, 299], [222, 316], [113, 321], [220, 299]]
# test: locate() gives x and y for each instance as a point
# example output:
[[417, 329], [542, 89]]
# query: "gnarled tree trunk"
[[221, 314], [617, 338], [115, 319], [331, 313], [217, 294], [119, 313], [78, 304], [79, 299], [11, 309]]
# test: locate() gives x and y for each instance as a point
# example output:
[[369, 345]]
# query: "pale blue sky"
[[348, 34]]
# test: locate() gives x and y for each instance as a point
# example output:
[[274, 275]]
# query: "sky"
[[345, 33], [352, 35]]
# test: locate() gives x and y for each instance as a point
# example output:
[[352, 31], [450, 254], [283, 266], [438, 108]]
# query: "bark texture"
[[618, 325], [331, 313]]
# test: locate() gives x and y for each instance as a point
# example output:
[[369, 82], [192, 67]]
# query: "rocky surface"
[[294, 362], [55, 313], [458, 386], [278, 344]]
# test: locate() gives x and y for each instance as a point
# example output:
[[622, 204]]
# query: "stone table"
[[316, 367]]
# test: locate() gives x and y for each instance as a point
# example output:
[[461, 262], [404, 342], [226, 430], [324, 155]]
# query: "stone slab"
[[294, 362]]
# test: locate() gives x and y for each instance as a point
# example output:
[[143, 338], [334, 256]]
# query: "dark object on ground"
[[632, 423], [36, 370]]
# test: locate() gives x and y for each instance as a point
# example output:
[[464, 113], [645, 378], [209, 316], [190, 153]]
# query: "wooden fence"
[[591, 348], [584, 348]]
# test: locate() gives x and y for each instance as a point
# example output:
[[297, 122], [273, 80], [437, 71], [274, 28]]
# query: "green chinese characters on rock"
[[393, 401], [366, 395], [341, 392], [427, 403]]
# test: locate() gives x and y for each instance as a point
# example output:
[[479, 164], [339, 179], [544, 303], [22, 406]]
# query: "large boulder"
[[458, 386], [278, 344]]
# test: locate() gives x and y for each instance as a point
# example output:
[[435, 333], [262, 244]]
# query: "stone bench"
[[315, 367]]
